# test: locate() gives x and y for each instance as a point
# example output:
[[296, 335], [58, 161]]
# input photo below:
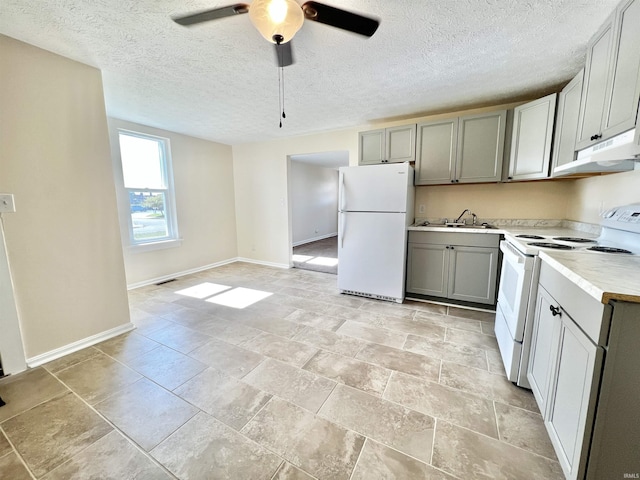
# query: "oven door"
[[513, 292]]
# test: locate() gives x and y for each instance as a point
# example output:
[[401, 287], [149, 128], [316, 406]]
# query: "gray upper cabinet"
[[531, 139], [400, 144], [567, 123], [621, 107], [371, 147], [387, 145], [466, 149], [611, 89], [436, 151]]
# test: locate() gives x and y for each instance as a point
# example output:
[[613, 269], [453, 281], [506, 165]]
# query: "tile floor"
[[302, 384], [319, 256]]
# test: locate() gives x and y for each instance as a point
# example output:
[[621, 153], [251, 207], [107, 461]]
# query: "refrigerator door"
[[371, 254], [375, 188]]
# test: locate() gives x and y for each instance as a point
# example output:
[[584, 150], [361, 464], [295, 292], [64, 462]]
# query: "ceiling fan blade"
[[319, 12], [284, 54], [214, 14]]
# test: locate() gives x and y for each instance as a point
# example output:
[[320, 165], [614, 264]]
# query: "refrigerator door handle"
[[343, 221], [342, 193]]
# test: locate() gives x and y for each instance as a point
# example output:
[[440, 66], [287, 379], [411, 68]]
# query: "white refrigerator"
[[375, 209]]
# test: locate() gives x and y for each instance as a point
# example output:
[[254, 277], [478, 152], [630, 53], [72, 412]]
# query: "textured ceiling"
[[219, 80]]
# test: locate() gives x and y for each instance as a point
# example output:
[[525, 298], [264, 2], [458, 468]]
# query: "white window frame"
[[172, 238]]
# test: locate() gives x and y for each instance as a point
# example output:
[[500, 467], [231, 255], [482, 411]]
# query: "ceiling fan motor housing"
[[276, 19]]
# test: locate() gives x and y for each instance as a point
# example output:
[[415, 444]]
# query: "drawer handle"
[[596, 137], [555, 311]]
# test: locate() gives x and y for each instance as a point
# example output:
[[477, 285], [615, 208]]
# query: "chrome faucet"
[[466, 210]]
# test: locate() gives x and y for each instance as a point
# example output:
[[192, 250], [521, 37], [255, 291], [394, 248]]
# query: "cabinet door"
[[567, 122], [427, 269], [472, 274], [544, 347], [594, 89], [531, 139], [572, 397], [371, 147], [436, 151], [480, 147], [401, 144], [623, 89]]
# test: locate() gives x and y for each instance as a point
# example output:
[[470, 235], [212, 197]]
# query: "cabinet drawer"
[[455, 238], [586, 311]]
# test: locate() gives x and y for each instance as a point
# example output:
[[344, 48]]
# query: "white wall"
[[63, 243], [205, 204], [314, 202], [260, 176]]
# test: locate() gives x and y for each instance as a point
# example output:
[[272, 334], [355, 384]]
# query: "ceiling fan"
[[279, 20]]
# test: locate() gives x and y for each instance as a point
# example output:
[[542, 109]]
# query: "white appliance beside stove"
[[521, 267]]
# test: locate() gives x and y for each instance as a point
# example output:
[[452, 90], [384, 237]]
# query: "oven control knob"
[[555, 311]]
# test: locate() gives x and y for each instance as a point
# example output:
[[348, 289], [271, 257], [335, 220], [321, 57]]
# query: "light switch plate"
[[7, 205]]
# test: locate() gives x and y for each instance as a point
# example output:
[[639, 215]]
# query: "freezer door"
[[375, 188], [371, 254]]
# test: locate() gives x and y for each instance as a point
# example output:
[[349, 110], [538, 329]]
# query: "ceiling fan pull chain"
[[279, 95], [282, 70]]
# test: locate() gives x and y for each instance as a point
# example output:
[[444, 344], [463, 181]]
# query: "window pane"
[[148, 216], [142, 162]]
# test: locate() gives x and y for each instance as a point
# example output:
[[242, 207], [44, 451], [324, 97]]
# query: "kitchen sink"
[[458, 226]]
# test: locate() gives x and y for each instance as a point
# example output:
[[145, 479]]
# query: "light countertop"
[[603, 276]]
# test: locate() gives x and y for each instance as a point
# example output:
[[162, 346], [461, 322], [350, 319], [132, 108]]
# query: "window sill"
[[152, 246]]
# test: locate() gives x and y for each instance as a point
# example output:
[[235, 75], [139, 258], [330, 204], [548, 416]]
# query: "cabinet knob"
[[555, 311], [509, 178], [453, 181]]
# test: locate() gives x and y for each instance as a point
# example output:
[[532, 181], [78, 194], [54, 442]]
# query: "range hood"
[[617, 154]]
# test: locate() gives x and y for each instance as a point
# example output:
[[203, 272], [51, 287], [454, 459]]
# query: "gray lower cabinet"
[[458, 266], [581, 391], [467, 149], [531, 136], [387, 145]]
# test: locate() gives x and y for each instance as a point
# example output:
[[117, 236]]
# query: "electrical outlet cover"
[[7, 205]]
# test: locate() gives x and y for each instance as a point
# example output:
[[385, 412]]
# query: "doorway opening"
[[313, 202]]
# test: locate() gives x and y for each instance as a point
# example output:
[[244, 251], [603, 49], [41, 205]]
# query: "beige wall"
[[205, 204], [63, 242], [518, 200], [262, 197], [596, 194]]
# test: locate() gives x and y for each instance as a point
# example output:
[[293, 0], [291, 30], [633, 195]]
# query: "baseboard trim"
[[79, 345], [315, 239], [260, 262], [153, 281]]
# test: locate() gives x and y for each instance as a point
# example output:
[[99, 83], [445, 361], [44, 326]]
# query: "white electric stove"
[[620, 235]]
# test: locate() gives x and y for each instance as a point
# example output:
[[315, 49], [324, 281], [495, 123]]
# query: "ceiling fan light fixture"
[[276, 19]]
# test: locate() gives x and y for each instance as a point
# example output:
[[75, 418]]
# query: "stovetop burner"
[[555, 246], [574, 239], [531, 237], [608, 250]]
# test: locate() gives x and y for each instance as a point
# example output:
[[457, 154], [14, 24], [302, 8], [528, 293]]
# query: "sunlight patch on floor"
[[238, 297], [203, 290]]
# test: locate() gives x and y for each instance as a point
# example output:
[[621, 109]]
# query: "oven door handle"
[[512, 255]]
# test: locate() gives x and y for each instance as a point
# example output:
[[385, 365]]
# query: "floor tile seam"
[[495, 414], [16, 452], [53, 397], [447, 387], [102, 417], [117, 429], [396, 331], [529, 452], [355, 465], [368, 325]]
